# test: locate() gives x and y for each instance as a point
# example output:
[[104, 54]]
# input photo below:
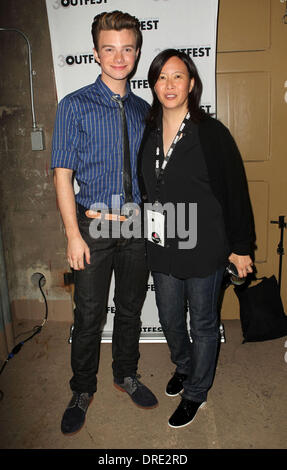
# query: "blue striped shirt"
[[88, 139]]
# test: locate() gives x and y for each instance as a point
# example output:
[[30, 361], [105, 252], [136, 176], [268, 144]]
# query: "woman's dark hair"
[[194, 96]]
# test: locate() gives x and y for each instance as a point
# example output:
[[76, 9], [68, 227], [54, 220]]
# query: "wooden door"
[[252, 102]]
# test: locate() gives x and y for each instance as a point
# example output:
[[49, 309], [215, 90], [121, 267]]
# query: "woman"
[[190, 162]]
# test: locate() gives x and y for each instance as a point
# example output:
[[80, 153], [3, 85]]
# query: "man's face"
[[116, 54]]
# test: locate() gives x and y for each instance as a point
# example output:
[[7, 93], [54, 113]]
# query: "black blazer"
[[227, 180]]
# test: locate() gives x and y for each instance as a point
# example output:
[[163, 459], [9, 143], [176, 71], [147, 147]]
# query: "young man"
[[89, 141]]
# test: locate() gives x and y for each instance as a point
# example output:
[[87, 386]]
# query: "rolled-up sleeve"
[[65, 137]]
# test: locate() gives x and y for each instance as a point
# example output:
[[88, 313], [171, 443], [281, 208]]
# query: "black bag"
[[261, 311]]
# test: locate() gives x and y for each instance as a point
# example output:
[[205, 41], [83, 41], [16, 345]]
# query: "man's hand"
[[77, 252]]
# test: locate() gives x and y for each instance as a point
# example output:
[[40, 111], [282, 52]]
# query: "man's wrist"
[[73, 233]]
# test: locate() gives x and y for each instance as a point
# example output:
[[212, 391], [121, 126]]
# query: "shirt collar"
[[189, 128], [106, 93]]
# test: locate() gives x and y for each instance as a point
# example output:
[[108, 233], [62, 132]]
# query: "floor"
[[246, 406]]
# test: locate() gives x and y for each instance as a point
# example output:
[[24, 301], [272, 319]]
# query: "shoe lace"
[[80, 400], [83, 398], [180, 377], [184, 403], [134, 382]]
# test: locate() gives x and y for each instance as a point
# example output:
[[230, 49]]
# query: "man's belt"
[[106, 216]]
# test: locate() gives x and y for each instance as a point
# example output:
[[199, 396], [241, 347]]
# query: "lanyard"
[[160, 170]]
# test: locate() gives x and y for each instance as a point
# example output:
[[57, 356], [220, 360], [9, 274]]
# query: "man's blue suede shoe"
[[139, 393]]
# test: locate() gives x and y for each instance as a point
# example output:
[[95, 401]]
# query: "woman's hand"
[[243, 264]]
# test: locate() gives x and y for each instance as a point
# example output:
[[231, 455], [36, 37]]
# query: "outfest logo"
[[76, 3], [79, 59]]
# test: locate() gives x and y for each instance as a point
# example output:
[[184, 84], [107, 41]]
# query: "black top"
[[211, 175]]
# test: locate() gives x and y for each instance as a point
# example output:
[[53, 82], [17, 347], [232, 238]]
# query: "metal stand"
[[280, 249]]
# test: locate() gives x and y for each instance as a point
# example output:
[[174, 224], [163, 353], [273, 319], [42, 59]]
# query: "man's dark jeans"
[[126, 258], [196, 359]]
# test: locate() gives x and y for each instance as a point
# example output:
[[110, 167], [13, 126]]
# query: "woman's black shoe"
[[174, 386], [185, 413]]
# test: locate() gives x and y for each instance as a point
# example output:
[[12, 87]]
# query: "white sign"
[[186, 25]]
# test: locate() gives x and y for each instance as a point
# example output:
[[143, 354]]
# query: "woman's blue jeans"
[[196, 358]]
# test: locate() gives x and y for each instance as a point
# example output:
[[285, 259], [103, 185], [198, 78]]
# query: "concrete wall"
[[32, 230]]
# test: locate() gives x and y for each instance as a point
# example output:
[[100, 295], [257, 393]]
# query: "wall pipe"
[[34, 124]]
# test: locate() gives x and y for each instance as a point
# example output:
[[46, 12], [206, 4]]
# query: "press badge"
[[155, 227]]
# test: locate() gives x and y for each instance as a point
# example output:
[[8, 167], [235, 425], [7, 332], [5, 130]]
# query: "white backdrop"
[[187, 25]]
